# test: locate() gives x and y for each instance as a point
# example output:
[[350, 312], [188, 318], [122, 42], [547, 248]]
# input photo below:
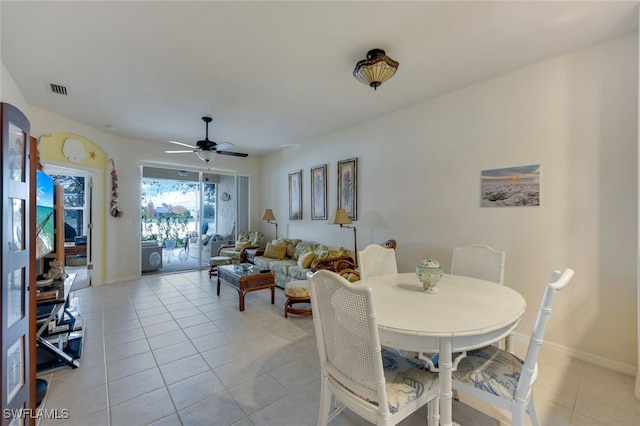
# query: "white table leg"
[[446, 394]]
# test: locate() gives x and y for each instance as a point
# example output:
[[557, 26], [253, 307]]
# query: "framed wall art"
[[319, 192], [348, 187], [295, 195], [511, 186]]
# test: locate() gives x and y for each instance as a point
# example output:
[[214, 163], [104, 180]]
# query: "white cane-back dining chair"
[[379, 385], [376, 260], [482, 262], [479, 261], [502, 379]]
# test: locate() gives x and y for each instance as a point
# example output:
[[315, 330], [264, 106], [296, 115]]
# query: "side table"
[[245, 278]]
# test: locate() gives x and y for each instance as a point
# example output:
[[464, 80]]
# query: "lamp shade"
[[205, 155], [341, 218], [268, 215], [376, 69]]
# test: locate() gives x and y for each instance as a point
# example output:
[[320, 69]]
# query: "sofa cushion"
[[262, 262], [230, 252], [255, 237], [324, 252], [243, 245], [290, 244], [339, 251], [281, 241], [304, 246], [274, 251], [297, 273], [282, 266], [321, 251], [243, 236], [291, 248], [305, 259], [204, 239]]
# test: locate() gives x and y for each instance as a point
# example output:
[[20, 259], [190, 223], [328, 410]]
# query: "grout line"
[[106, 376]]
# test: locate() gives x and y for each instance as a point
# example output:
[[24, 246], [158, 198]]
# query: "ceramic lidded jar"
[[429, 273]]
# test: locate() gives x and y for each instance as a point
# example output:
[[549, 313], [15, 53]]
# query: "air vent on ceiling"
[[58, 89]]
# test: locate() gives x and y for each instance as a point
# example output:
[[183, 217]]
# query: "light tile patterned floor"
[[166, 350]]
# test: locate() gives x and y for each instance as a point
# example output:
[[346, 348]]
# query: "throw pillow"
[[305, 260], [204, 239], [273, 251], [352, 278], [241, 245], [321, 254]]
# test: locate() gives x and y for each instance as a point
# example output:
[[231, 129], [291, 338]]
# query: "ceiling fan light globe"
[[205, 156]]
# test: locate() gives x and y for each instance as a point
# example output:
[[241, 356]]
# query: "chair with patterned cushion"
[[482, 262], [376, 260], [379, 385], [246, 240], [500, 378]]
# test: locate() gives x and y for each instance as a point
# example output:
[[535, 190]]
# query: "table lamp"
[[268, 216]]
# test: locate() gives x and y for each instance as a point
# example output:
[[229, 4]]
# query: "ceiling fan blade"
[[183, 144], [224, 145], [235, 154], [181, 151]]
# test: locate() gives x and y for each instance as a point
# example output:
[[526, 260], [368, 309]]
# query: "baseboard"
[[582, 356]]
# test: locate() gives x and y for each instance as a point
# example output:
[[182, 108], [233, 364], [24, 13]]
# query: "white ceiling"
[[274, 73]]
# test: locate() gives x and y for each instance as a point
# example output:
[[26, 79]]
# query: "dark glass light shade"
[[376, 69]]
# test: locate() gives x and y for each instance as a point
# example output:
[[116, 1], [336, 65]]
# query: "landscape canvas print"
[[511, 186]]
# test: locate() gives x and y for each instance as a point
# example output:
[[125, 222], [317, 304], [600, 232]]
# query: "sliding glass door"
[[186, 216]]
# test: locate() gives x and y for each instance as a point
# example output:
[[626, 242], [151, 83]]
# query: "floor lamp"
[[269, 216], [343, 220]]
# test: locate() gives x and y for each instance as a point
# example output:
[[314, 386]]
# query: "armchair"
[[238, 252]]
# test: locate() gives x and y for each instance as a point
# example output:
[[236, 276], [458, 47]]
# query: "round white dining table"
[[466, 313]]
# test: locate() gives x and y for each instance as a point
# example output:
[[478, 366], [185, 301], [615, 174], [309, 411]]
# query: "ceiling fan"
[[205, 148]]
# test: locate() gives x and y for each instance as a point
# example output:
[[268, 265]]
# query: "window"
[[75, 204]]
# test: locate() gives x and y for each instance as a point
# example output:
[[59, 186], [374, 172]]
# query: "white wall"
[[9, 92], [419, 182]]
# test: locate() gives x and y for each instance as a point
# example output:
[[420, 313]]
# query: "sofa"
[[291, 259], [238, 251]]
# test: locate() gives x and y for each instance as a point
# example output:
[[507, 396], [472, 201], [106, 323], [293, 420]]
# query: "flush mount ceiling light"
[[376, 69]]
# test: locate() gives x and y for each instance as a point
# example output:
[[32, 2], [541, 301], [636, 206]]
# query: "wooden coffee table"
[[245, 277]]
